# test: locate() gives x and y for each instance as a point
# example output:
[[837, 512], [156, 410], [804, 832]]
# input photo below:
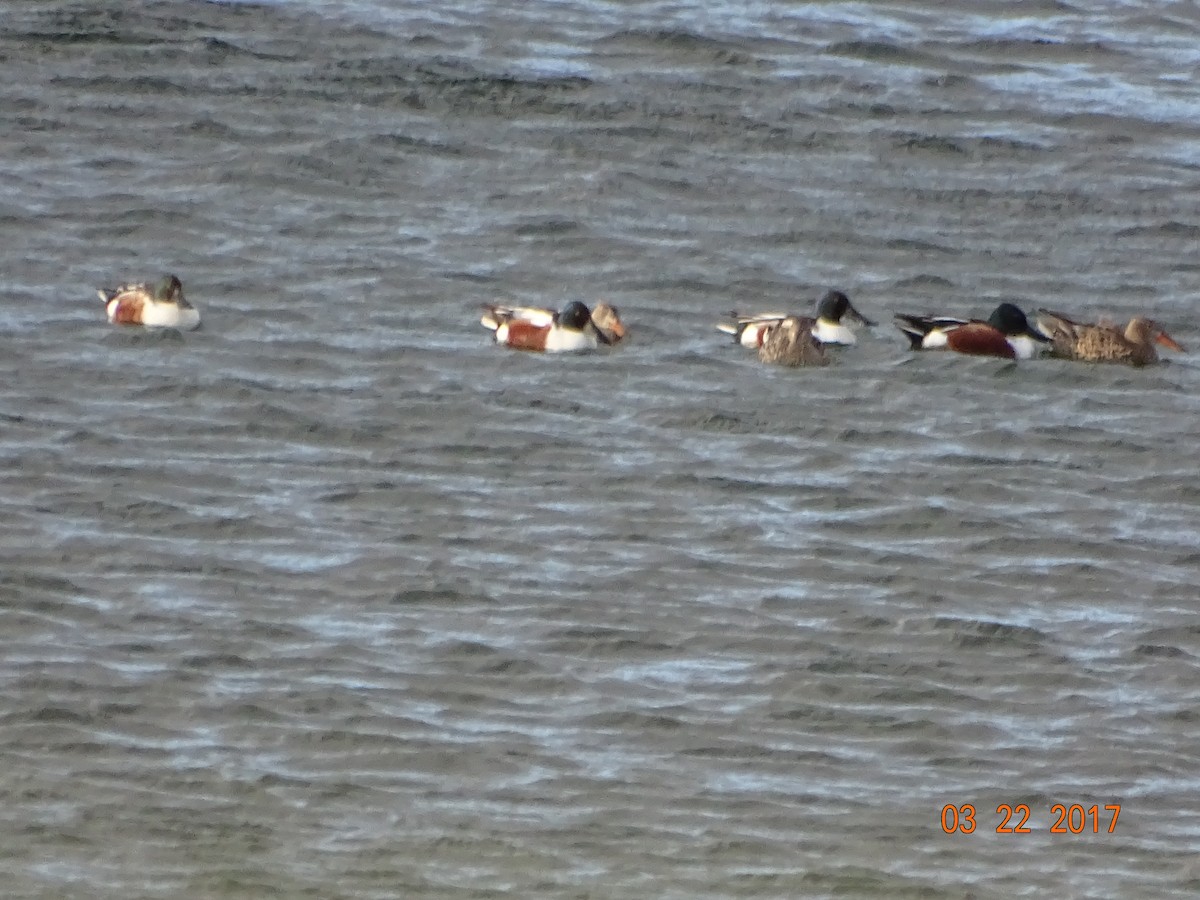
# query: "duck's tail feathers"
[[489, 321], [1055, 325], [734, 328], [913, 327]]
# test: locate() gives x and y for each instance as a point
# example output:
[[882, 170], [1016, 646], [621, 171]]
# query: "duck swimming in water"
[[831, 325], [1006, 333], [571, 328], [604, 316], [161, 305], [1102, 342]]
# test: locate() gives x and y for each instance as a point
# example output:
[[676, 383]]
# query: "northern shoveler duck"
[[532, 328], [833, 311], [160, 305], [1006, 333], [1104, 342], [604, 316], [791, 342]]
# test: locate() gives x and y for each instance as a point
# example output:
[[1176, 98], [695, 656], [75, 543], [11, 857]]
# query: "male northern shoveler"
[[833, 311], [160, 305], [1104, 342], [791, 342], [571, 328], [604, 316], [750, 330], [1006, 333]]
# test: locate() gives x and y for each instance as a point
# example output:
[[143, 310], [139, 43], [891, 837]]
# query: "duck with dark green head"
[[160, 305]]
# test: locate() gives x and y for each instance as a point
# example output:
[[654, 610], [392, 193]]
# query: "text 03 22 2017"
[[1013, 818]]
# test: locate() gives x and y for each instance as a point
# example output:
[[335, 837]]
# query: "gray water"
[[334, 598]]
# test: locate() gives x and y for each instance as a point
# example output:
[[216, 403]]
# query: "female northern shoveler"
[[1102, 342], [604, 316], [1006, 333], [791, 342], [833, 311], [532, 328], [162, 305]]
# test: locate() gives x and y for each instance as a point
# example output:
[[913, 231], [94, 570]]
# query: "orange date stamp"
[[1013, 818]]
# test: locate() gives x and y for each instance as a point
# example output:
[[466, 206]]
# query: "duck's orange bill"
[[1167, 341]]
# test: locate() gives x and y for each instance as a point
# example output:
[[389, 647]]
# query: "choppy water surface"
[[333, 598]]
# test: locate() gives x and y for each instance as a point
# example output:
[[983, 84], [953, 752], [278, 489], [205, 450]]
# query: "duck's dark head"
[[833, 305], [170, 290], [577, 316], [1008, 319], [574, 315]]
